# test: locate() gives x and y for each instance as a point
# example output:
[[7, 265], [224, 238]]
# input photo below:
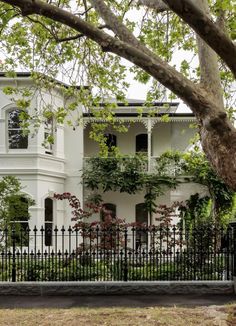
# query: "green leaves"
[[10, 203], [196, 167], [126, 174]]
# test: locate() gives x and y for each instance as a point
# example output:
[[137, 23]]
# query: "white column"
[[149, 132]]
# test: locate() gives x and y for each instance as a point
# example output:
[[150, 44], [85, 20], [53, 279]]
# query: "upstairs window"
[[110, 141], [141, 143], [48, 136], [16, 138]]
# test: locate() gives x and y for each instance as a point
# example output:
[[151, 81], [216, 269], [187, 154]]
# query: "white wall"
[[165, 136]]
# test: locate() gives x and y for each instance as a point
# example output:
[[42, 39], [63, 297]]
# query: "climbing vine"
[[193, 166], [129, 174], [126, 174]]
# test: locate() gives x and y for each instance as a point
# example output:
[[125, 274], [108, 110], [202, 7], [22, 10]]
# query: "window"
[[141, 217], [141, 143], [19, 216], [16, 138], [110, 141], [48, 217], [108, 240], [108, 210], [48, 136]]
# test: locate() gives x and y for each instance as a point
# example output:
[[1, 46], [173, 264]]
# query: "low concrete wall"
[[116, 288]]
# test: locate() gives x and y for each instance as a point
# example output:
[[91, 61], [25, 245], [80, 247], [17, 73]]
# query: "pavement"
[[65, 302]]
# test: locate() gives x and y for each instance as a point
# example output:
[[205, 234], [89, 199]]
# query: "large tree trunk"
[[218, 139], [220, 148]]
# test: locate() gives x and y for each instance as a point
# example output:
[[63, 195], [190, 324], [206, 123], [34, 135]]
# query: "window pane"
[[17, 140], [19, 216], [47, 145], [141, 143], [48, 132], [110, 140], [48, 210], [141, 215], [13, 119], [48, 217], [18, 208], [108, 210]]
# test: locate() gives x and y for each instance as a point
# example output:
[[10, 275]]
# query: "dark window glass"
[[16, 138], [48, 216], [110, 141], [48, 132], [142, 143], [108, 209], [19, 212], [141, 217]]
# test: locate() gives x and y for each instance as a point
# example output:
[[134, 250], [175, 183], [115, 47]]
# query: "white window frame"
[[12, 129]]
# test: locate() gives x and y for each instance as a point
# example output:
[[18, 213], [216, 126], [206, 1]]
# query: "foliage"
[[194, 167], [195, 211], [126, 174], [47, 47], [115, 173], [11, 206], [77, 212], [9, 186], [62, 269], [103, 231], [87, 47]]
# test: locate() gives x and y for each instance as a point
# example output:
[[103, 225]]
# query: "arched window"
[[141, 143], [48, 218], [111, 141], [19, 217], [108, 209], [141, 218], [16, 138]]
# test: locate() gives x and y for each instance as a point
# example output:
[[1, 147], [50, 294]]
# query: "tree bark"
[[208, 62], [158, 5], [190, 11]]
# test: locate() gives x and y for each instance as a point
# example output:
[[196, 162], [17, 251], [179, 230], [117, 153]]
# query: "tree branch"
[[209, 69], [200, 102], [158, 5], [192, 14], [218, 134]]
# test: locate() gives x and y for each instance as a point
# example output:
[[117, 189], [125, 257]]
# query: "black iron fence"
[[117, 254]]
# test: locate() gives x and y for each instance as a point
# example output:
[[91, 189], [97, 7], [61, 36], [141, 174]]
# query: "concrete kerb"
[[116, 288]]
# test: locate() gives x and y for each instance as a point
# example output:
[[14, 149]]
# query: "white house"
[[58, 168]]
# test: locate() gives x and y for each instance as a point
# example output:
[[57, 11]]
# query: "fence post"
[[13, 236], [232, 247], [125, 258], [234, 252]]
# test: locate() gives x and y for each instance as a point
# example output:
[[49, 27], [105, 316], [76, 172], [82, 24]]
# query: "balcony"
[[137, 163]]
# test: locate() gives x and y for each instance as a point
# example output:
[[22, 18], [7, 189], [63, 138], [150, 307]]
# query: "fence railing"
[[117, 254]]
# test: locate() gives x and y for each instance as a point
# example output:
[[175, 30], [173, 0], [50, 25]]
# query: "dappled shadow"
[[11, 302]]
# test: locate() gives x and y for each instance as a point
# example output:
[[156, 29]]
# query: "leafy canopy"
[[41, 45]]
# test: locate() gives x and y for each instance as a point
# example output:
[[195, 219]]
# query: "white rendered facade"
[[43, 174]]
